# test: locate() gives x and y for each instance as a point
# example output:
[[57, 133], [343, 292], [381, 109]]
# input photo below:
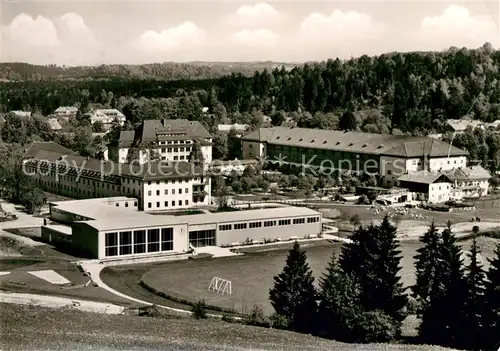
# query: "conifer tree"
[[443, 292], [492, 298], [427, 261], [293, 295], [473, 329], [374, 258], [339, 307]]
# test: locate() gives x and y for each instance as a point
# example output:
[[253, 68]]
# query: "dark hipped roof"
[[149, 130], [423, 177], [37, 146], [155, 170], [356, 142]]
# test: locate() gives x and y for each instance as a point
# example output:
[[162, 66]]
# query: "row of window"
[[173, 181], [174, 142], [138, 241], [175, 149], [281, 222], [186, 191], [158, 204], [200, 238]]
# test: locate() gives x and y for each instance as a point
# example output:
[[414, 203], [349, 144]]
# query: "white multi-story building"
[[165, 140], [158, 186], [65, 112], [357, 152], [106, 116]]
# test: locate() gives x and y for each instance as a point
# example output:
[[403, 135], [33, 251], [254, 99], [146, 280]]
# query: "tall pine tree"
[[339, 308], [427, 262], [441, 288], [293, 295], [374, 257], [196, 155], [473, 329], [492, 297]]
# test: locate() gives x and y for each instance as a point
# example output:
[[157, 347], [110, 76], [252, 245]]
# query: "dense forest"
[[413, 92], [18, 71]]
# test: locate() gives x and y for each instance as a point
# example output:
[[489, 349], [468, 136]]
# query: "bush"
[[199, 310], [412, 306], [279, 321], [256, 317], [228, 318], [376, 326]]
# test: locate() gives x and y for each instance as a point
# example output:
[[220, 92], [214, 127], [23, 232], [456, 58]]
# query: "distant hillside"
[[14, 71]]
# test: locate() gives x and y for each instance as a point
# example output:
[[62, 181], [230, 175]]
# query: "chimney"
[[164, 122]]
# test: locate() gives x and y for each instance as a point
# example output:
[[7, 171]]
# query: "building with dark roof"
[[351, 151], [166, 140], [158, 185], [428, 186]]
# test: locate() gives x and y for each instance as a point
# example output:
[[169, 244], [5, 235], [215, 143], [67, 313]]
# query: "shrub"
[[228, 318], [412, 306], [376, 326], [199, 310], [256, 317], [279, 321], [475, 229]]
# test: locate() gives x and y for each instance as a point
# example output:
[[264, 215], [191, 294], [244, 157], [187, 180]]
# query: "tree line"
[[360, 297], [409, 92]]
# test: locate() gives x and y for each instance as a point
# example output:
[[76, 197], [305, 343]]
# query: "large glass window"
[[139, 241], [125, 243], [200, 238], [111, 244], [167, 239], [153, 240]]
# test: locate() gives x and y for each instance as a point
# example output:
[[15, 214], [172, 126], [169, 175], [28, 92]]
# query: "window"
[[255, 225], [181, 157], [157, 182], [149, 192], [240, 226], [173, 191], [149, 182], [153, 240], [149, 205], [111, 244], [180, 202], [312, 219], [135, 204], [157, 192], [173, 203], [117, 204], [125, 243], [200, 238], [284, 222], [186, 202], [299, 220], [163, 150], [167, 239], [180, 191], [269, 223], [186, 190], [169, 149], [166, 203], [181, 149], [139, 241], [176, 158], [126, 204], [176, 149], [223, 227], [157, 204]]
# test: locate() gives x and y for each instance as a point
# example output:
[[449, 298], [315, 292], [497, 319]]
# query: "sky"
[[85, 32]]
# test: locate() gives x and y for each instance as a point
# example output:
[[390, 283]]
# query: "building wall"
[[446, 164], [175, 194], [439, 192], [395, 165], [179, 241], [85, 240], [228, 237], [253, 149], [54, 237]]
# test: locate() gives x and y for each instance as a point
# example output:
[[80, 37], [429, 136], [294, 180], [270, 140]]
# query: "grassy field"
[[37, 328], [252, 275]]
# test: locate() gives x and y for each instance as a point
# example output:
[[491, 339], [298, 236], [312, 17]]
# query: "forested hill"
[[163, 71], [414, 92]]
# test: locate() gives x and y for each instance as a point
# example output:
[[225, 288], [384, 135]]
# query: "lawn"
[[252, 275], [38, 328]]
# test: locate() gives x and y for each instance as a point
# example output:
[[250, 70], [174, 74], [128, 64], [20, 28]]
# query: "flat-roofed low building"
[[109, 232], [356, 152]]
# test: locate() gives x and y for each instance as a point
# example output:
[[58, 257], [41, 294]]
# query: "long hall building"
[[357, 152], [157, 185]]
